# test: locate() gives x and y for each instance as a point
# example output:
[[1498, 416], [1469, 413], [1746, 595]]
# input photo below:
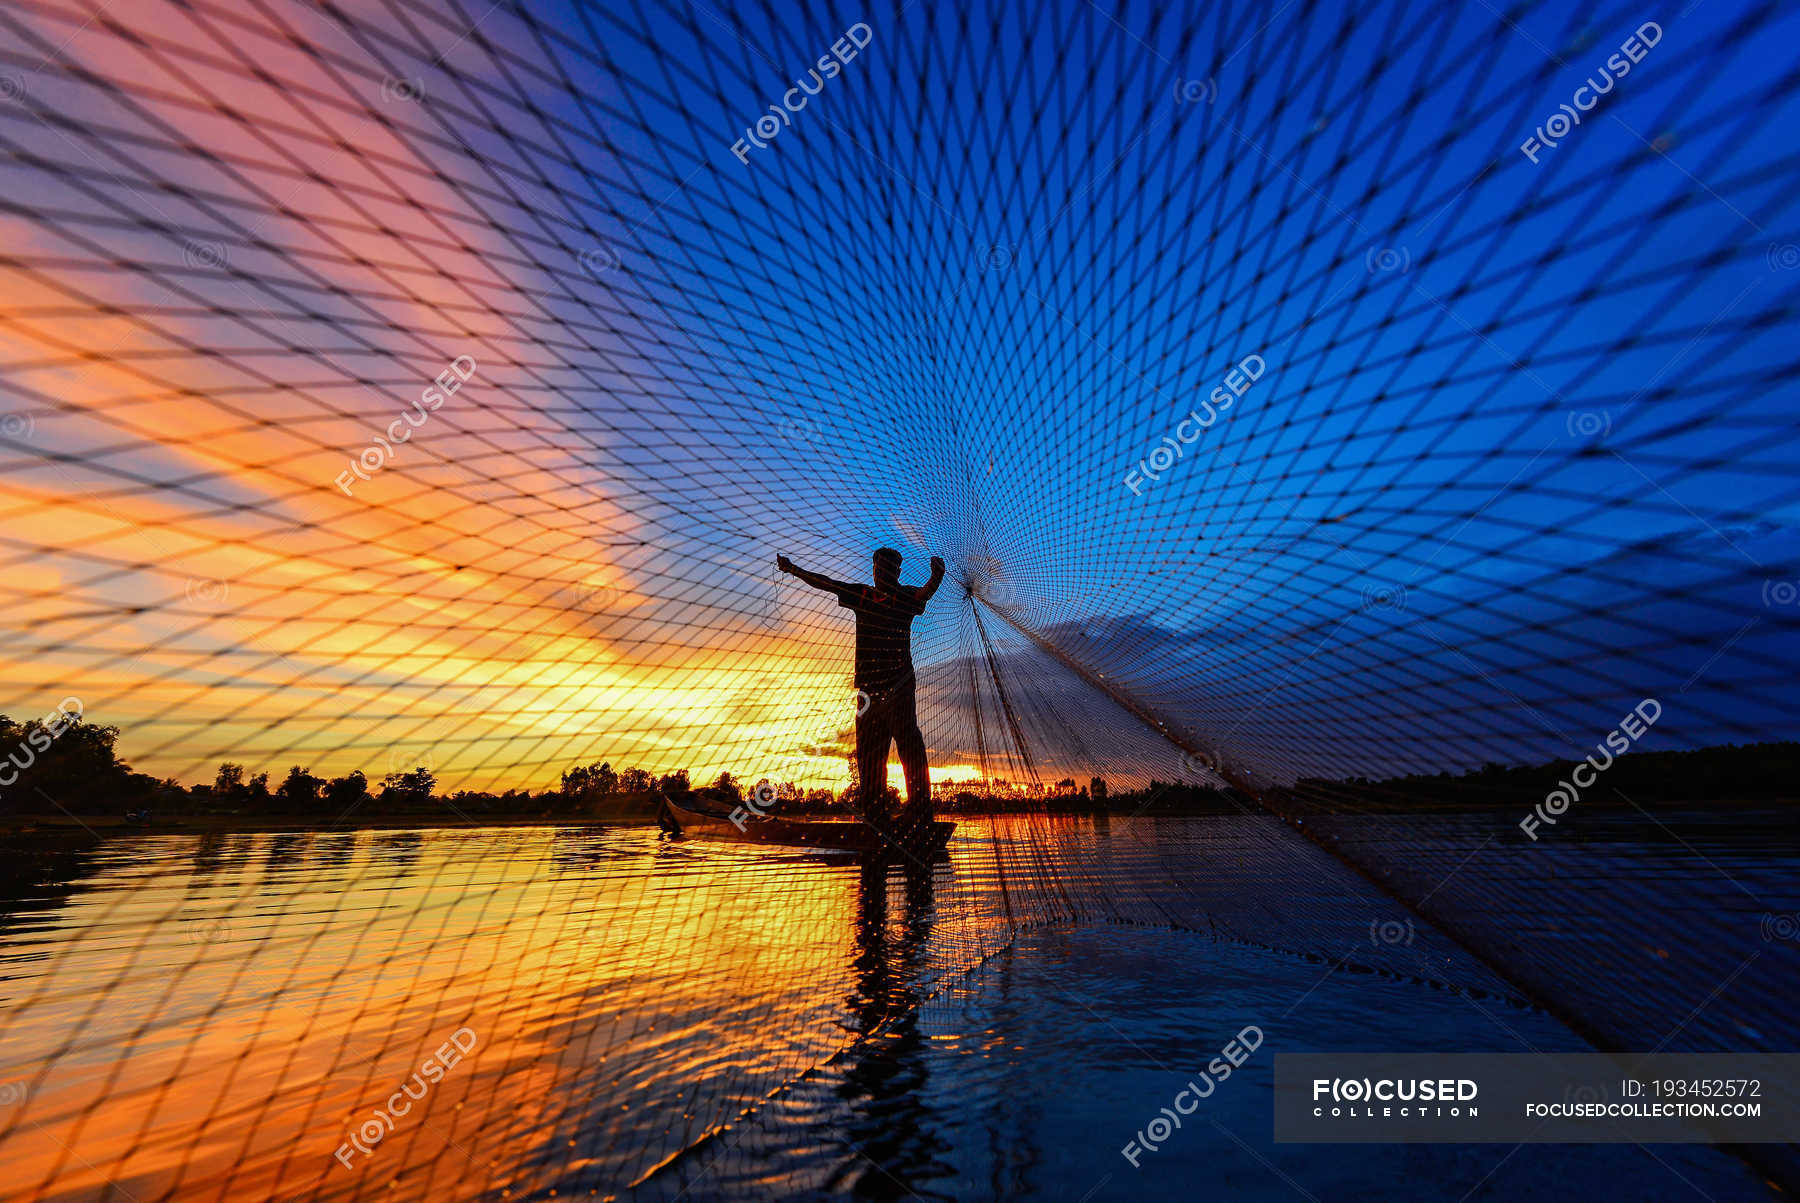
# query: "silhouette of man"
[[884, 673]]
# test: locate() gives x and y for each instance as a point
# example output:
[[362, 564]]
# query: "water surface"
[[218, 1016]]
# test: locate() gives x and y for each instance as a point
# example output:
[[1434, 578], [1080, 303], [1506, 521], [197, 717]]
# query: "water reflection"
[[885, 1082], [206, 1016]]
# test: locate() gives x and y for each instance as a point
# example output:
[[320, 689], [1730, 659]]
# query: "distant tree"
[[635, 781], [348, 790], [1098, 788], [674, 783], [230, 780], [595, 781], [415, 786], [62, 758], [578, 782], [727, 784], [300, 786], [1066, 785], [259, 786]]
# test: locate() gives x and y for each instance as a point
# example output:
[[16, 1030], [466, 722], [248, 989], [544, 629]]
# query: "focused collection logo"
[[1391, 1098]]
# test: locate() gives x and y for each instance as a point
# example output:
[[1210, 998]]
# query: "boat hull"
[[831, 834]]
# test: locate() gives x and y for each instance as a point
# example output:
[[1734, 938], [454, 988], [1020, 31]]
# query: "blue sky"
[[1532, 396]]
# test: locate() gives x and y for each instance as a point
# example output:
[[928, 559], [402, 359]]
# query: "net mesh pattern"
[[1296, 409]]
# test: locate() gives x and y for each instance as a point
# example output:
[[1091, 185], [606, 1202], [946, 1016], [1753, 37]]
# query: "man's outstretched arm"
[[817, 580], [937, 578]]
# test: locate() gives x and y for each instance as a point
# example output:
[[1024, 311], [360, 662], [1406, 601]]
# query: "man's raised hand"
[[783, 563]]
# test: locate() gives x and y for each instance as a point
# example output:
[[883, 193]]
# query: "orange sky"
[[183, 561]]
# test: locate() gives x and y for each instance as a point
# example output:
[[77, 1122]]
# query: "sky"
[[1520, 453]]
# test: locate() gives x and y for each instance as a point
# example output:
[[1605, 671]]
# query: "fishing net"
[[1328, 414]]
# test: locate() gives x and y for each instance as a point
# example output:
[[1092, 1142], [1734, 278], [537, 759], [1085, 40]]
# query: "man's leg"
[[910, 743], [873, 733]]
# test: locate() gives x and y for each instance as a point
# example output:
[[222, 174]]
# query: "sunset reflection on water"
[[243, 1016], [218, 1015]]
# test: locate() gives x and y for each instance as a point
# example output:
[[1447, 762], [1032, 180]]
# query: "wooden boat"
[[710, 819]]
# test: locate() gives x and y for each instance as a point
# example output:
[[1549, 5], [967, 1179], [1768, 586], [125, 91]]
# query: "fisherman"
[[884, 674]]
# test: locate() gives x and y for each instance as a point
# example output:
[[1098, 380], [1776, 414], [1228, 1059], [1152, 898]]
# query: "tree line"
[[65, 762]]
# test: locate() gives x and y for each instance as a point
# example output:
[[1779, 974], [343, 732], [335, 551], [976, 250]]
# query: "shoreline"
[[23, 826]]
